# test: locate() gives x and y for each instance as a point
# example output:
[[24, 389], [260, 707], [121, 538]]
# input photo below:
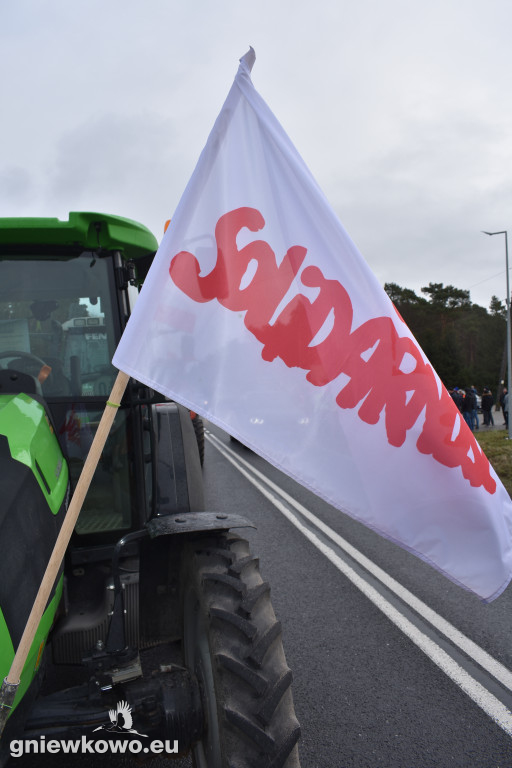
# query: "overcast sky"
[[402, 110]]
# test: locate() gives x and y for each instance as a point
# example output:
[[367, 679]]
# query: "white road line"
[[481, 657], [475, 690]]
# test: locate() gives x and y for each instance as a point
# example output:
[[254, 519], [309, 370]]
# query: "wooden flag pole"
[[11, 682]]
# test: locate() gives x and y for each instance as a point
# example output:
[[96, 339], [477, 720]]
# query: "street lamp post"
[[509, 349]]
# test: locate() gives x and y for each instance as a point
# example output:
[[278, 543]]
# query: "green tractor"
[[159, 611]]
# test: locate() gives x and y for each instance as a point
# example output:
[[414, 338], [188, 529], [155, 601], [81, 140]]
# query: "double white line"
[[285, 503]]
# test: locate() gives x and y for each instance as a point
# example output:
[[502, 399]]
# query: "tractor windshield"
[[56, 324]]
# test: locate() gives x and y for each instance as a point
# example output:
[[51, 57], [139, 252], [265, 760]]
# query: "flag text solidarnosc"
[[385, 370]]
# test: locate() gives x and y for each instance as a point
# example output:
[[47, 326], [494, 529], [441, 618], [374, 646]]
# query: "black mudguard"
[[178, 490]]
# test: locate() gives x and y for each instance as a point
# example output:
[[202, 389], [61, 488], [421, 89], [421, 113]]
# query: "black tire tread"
[[245, 626], [199, 430], [252, 596], [279, 761], [255, 732], [237, 567], [252, 680], [245, 673], [274, 696], [263, 643], [224, 578]]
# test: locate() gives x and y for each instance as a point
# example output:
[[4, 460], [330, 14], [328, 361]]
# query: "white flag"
[[260, 314]]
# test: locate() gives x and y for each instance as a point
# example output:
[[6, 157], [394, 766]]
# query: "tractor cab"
[[63, 305]]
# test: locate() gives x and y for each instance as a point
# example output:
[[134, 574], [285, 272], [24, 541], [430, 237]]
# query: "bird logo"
[[121, 720]]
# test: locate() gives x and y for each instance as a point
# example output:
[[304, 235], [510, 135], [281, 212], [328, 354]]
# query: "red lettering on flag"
[[266, 289], [387, 372]]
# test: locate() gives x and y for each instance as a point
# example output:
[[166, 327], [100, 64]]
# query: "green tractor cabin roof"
[[82, 232]]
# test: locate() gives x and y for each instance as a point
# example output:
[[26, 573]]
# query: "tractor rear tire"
[[232, 643], [199, 430]]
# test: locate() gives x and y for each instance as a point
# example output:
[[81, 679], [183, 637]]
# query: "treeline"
[[464, 342]]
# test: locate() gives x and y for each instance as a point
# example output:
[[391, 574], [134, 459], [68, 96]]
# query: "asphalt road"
[[366, 694], [394, 667]]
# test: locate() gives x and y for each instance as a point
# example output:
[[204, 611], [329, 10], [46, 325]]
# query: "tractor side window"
[[107, 506]]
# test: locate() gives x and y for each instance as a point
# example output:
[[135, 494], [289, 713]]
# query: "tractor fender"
[[178, 481]]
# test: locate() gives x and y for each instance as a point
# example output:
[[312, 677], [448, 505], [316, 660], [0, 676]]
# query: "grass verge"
[[498, 450]]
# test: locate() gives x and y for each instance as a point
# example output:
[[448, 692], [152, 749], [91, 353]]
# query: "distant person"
[[504, 394], [474, 414], [468, 406], [487, 403], [457, 397]]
